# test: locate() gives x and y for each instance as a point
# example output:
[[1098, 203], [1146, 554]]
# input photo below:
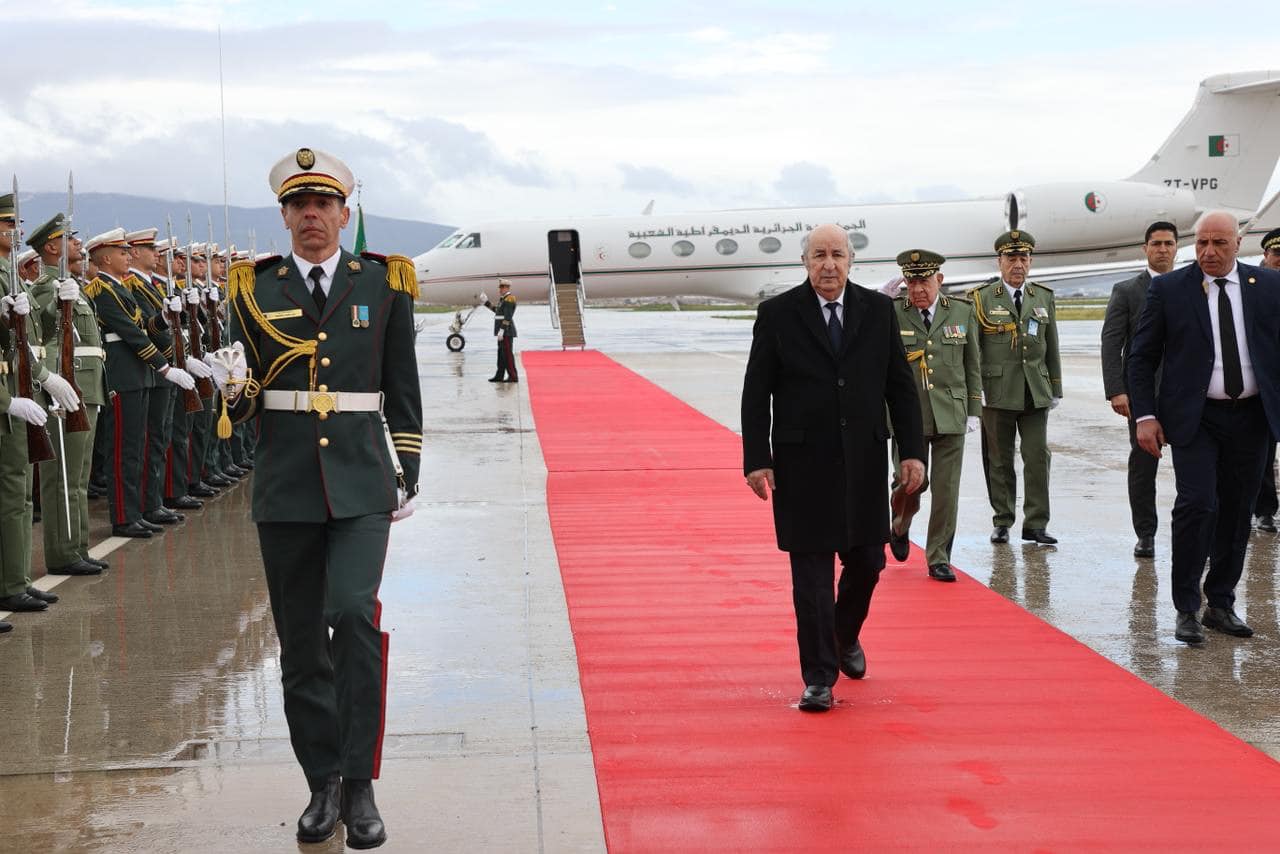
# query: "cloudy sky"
[[458, 111]]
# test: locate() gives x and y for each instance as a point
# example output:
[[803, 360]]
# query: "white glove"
[[62, 392], [26, 409], [173, 304], [18, 305], [892, 287], [481, 298], [971, 423], [179, 377], [212, 294], [192, 295], [1053, 404], [228, 368], [406, 507], [500, 334], [68, 290], [198, 369]]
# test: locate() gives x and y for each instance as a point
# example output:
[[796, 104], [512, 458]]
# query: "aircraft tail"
[[1225, 148]]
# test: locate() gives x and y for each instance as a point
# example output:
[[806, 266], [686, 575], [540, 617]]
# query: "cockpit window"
[[471, 241], [451, 239]]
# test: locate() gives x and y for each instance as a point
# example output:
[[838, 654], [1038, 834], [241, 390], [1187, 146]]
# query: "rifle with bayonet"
[[77, 421], [211, 304], [190, 397], [204, 386], [39, 448]]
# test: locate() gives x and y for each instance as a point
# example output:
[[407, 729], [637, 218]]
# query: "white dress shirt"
[[328, 265], [933, 312], [1217, 388], [839, 301]]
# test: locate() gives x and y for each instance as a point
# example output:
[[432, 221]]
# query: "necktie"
[[834, 329], [1017, 300], [1232, 378], [317, 292], [924, 315]]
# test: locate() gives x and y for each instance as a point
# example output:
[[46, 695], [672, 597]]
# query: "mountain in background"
[[98, 212]]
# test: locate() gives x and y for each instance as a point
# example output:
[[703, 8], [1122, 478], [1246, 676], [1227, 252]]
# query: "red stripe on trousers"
[[382, 692]]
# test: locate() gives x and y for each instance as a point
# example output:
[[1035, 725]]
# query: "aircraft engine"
[[1062, 216]]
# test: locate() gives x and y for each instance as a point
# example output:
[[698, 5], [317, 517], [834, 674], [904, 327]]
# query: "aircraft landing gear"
[[455, 342]]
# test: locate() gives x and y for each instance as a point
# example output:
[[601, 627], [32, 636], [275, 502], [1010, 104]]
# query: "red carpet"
[[978, 728]]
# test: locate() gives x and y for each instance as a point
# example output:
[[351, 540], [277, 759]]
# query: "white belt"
[[90, 351], [111, 338], [323, 402]]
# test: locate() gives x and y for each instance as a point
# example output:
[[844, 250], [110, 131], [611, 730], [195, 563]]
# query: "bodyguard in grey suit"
[[1123, 310]]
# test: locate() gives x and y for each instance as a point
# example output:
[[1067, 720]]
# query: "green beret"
[[1015, 241], [6, 206], [1271, 240], [50, 230], [919, 263]]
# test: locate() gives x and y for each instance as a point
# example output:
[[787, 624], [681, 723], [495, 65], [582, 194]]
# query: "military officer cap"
[[1271, 240], [1015, 241], [50, 230], [6, 207], [25, 257], [309, 170], [504, 283], [142, 237], [919, 263], [166, 245], [114, 237], [197, 250]]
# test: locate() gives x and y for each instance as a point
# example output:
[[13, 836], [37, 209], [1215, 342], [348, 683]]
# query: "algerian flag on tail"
[[359, 244], [1224, 146]]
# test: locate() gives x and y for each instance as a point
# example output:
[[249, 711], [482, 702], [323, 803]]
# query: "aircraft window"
[[683, 248], [471, 241], [859, 240], [726, 246], [450, 240], [770, 244], [639, 249]]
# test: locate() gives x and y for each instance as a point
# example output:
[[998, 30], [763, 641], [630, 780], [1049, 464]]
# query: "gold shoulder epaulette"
[[511, 297], [401, 274], [964, 299], [93, 288], [242, 275]]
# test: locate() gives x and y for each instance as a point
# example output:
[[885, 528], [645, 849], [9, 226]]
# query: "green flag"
[[360, 244]]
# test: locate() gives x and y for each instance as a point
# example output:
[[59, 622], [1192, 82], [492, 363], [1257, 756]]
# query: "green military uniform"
[[1021, 379], [160, 395], [201, 473], [176, 462], [504, 321], [15, 577], [944, 354], [325, 484], [60, 549]]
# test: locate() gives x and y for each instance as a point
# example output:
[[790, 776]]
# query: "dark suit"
[[1123, 310], [817, 418], [1218, 446]]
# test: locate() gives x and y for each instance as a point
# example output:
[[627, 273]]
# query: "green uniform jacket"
[[5, 396], [90, 371], [133, 358], [504, 315], [35, 334], [944, 360], [308, 468], [1018, 352]]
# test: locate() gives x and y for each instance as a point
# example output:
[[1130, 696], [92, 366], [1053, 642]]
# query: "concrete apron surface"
[[143, 711]]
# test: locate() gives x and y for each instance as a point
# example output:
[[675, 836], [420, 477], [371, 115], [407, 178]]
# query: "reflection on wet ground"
[[142, 712]]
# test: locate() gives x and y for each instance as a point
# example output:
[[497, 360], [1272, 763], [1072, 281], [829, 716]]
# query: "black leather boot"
[[321, 815], [360, 815]]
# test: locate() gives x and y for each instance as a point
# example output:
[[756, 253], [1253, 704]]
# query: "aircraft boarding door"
[[567, 295]]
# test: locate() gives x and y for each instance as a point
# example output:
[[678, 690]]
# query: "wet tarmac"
[[143, 711]]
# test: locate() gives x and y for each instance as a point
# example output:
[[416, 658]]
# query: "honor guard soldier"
[[177, 462], [133, 361], [205, 482], [1021, 381], [323, 356], [504, 329], [16, 592], [941, 340], [64, 482], [1266, 506]]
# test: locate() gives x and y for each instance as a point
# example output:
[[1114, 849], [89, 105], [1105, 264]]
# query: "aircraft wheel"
[[455, 342]]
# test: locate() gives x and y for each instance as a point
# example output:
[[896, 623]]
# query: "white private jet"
[[1221, 155]]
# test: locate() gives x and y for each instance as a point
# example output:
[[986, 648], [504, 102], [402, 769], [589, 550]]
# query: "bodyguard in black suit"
[[826, 357], [1266, 507], [1123, 310], [1213, 329]]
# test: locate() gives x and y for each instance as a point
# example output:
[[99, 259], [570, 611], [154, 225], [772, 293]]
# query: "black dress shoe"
[[94, 561], [1000, 534], [899, 546], [1145, 547], [853, 661], [42, 595], [151, 526], [496, 380], [229, 474], [22, 602], [1039, 535], [512, 380], [360, 814], [185, 502], [1225, 620], [1188, 629], [93, 491], [5, 627], [201, 490], [816, 698], [941, 571], [133, 529], [163, 517], [236, 470], [1267, 523], [247, 465], [217, 481], [318, 820], [79, 567]]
